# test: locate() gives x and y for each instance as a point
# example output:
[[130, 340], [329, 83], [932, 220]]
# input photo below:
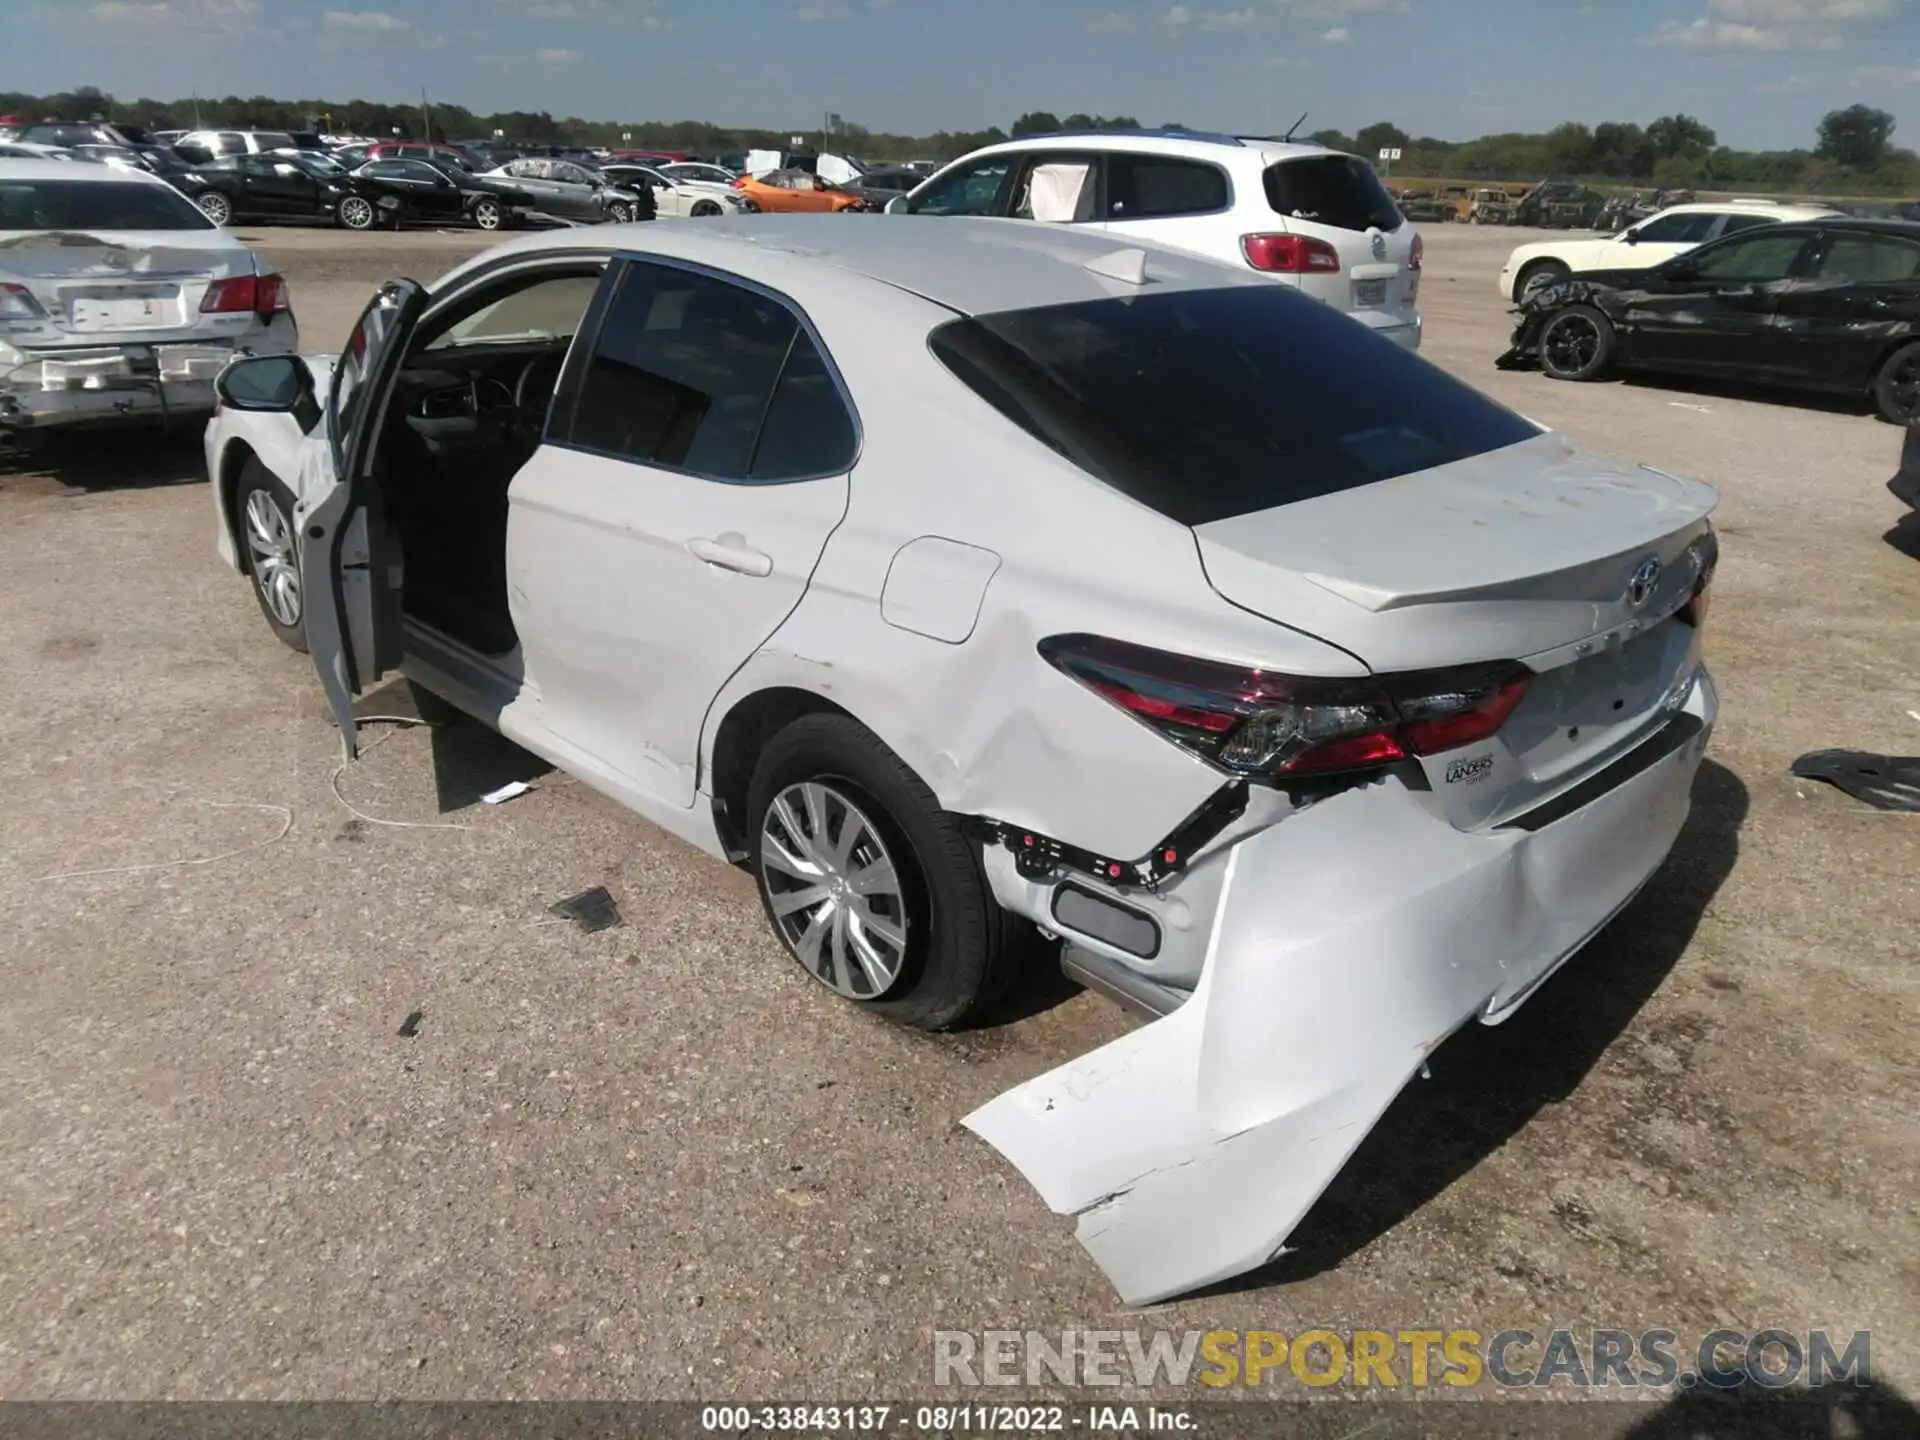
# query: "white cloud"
[[647, 14], [1898, 75], [365, 20], [123, 10], [1339, 9], [1726, 35], [1113, 22], [815, 11], [1801, 12], [1181, 17], [1338, 35], [557, 57], [1771, 25]]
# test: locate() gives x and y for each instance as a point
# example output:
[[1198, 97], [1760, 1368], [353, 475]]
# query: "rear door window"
[[1205, 404], [1337, 190], [1058, 188], [1734, 224], [682, 371], [1151, 187], [1869, 259]]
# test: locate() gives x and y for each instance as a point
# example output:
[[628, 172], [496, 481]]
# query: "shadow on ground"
[[1487, 1083], [1811, 400], [469, 760], [92, 460]]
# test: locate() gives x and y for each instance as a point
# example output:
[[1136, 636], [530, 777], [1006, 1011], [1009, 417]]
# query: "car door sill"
[[496, 691]]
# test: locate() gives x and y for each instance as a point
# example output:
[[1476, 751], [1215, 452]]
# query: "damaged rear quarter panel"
[[989, 726]]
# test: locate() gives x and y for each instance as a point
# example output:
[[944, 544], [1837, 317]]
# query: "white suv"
[[1312, 217]]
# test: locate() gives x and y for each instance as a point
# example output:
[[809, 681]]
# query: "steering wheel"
[[533, 392]]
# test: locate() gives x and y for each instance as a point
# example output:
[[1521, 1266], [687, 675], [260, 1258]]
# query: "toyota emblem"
[[1643, 581]]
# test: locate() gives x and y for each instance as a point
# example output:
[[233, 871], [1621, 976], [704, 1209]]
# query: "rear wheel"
[[356, 213], [1896, 389], [1576, 344], [272, 558], [620, 212], [216, 207], [1538, 276], [869, 884], [703, 208], [488, 214]]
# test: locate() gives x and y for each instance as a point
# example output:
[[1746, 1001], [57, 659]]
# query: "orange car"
[[793, 191]]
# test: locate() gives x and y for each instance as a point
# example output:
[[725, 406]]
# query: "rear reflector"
[[263, 294], [1290, 254]]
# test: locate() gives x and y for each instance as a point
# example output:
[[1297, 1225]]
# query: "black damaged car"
[[1829, 305], [301, 186]]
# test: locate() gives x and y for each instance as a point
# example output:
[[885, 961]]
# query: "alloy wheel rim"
[[1539, 280], [836, 897], [356, 212], [1572, 342], [216, 209], [485, 215], [276, 569]]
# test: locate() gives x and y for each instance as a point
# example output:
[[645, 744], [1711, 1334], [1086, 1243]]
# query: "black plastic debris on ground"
[[592, 910], [1886, 782], [410, 1026]]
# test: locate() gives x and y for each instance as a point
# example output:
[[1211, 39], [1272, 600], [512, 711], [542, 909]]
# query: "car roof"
[[81, 170], [1786, 209], [1191, 143], [972, 266]]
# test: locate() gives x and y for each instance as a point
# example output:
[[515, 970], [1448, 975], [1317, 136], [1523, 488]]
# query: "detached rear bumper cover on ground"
[[1190, 1148]]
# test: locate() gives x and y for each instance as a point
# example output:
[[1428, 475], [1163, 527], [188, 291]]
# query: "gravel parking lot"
[[658, 1162]]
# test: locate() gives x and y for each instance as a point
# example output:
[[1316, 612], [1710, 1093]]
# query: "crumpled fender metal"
[[1190, 1148], [1523, 351]]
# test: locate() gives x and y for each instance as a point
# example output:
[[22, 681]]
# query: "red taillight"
[[17, 303], [265, 295], [1256, 722], [1445, 720], [1290, 254], [1694, 612], [1418, 254]]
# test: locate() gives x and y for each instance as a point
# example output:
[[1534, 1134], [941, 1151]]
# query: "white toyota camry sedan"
[[963, 575]]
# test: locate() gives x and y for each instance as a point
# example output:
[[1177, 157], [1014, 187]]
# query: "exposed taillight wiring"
[[1273, 726]]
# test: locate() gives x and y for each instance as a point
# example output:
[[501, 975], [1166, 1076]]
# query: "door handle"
[[1735, 292], [730, 552]]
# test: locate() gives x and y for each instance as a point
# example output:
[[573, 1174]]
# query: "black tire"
[[1896, 388], [489, 214], [960, 947], [620, 213], [1576, 343], [254, 479], [355, 212], [1536, 275], [216, 207], [702, 209]]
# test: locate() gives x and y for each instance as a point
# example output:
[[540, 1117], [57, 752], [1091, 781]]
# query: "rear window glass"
[[96, 205], [1205, 404], [1146, 187], [1337, 190]]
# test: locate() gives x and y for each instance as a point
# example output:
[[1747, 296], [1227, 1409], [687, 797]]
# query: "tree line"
[[1853, 150]]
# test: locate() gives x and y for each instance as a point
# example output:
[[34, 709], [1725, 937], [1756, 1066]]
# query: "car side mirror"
[[897, 206], [275, 384], [1632, 237]]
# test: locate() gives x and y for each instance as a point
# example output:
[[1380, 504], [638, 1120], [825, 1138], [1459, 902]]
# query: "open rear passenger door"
[[350, 563]]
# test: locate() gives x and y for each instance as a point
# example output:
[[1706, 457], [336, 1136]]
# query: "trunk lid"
[[1571, 563], [96, 286]]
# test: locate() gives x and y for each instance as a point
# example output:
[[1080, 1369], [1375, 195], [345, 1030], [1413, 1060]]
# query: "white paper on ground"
[[512, 790]]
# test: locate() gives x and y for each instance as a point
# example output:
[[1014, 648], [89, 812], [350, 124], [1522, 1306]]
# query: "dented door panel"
[[1189, 1149]]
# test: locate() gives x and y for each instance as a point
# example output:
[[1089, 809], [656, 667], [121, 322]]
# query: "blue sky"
[[1761, 72]]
